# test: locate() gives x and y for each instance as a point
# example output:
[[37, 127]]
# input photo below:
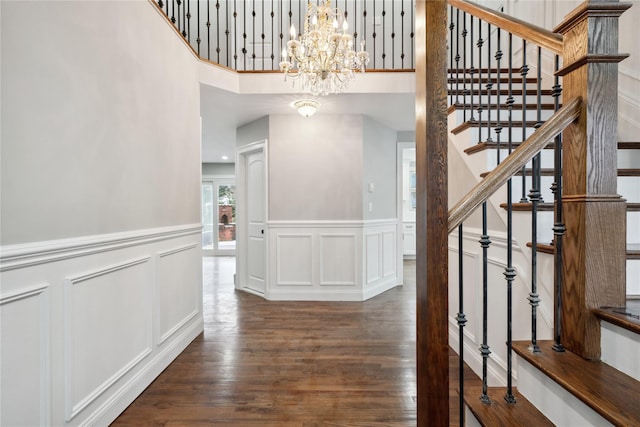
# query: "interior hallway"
[[291, 363]]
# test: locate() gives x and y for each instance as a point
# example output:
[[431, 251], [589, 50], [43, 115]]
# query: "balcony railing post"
[[594, 264]]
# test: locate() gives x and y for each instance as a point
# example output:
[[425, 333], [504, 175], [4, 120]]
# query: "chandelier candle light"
[[323, 59]]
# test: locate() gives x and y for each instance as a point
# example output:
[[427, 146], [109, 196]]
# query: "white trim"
[[42, 292], [73, 408], [122, 398], [241, 227], [331, 223], [30, 254], [629, 72]]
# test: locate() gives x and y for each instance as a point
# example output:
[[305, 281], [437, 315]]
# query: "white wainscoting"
[[88, 323], [331, 260], [28, 346]]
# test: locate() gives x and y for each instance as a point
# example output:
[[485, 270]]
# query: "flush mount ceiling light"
[[323, 58], [306, 107]]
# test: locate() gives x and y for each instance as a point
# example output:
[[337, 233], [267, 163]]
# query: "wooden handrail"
[[514, 162], [538, 35]]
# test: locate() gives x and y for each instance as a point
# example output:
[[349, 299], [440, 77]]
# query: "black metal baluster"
[[535, 197], [462, 321], [364, 22], [253, 34], [465, 89], [559, 228], [281, 35], [484, 348], [227, 31], [273, 55], [198, 40], [235, 35], [457, 58], [184, 20], [384, 35], [244, 36], [498, 129], [393, 34], [479, 44], [173, 12], [160, 4], [402, 35], [509, 271], [452, 27], [472, 70], [412, 35], [489, 87], [217, 31], [188, 26], [523, 72], [373, 35]]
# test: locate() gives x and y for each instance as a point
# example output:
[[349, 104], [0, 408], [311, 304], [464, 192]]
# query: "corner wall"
[[100, 264]]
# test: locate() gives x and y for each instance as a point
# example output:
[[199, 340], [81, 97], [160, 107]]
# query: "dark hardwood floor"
[[291, 363]]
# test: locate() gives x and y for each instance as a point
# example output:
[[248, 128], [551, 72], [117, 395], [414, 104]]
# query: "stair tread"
[[503, 107], [526, 207], [503, 91], [493, 124], [622, 316], [499, 412], [481, 146], [484, 145], [462, 79], [633, 249], [550, 172], [609, 392]]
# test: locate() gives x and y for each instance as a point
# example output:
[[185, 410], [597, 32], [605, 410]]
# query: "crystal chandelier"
[[323, 59]]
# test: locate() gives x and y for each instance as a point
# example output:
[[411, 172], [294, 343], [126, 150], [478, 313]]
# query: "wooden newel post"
[[432, 324], [594, 264]]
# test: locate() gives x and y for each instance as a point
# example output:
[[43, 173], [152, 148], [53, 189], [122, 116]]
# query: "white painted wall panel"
[[373, 250], [24, 393], [178, 299], [294, 254], [108, 328], [389, 245], [338, 262]]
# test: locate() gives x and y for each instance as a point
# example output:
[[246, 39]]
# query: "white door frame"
[[399, 213], [217, 180], [241, 219]]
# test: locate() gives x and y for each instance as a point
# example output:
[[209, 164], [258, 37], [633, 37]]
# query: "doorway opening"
[[218, 216]]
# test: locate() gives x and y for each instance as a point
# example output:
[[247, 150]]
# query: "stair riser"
[[628, 188], [492, 98], [620, 349], [516, 115], [561, 407], [633, 284], [475, 135]]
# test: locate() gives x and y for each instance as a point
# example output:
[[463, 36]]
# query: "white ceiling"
[[224, 111]]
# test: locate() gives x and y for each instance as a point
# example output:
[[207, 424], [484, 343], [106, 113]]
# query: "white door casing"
[[252, 218]]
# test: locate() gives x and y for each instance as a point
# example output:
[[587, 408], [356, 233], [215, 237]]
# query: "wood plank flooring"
[[291, 363]]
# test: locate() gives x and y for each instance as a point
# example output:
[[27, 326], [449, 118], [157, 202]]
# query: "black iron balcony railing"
[[249, 35]]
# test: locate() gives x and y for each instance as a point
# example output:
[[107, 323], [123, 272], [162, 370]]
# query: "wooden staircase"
[[604, 393]]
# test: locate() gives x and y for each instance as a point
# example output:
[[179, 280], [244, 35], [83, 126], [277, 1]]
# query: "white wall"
[[379, 169], [100, 264], [81, 109], [257, 130], [321, 243], [315, 167], [218, 169]]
